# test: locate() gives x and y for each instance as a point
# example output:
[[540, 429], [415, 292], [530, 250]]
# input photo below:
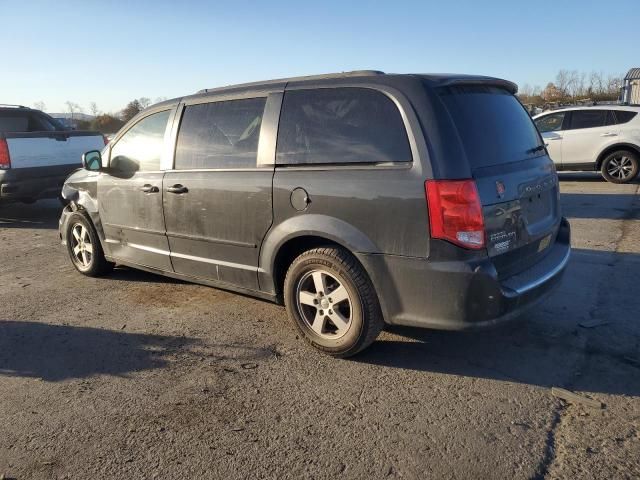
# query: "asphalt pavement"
[[138, 376]]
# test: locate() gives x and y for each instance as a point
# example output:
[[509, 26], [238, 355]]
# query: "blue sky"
[[110, 52]]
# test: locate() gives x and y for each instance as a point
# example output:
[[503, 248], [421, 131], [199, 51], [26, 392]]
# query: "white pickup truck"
[[37, 153]]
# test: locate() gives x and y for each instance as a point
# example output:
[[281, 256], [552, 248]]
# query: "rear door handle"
[[554, 138], [149, 188], [177, 189], [609, 134]]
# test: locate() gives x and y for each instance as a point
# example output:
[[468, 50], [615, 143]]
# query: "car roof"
[[630, 108], [358, 76]]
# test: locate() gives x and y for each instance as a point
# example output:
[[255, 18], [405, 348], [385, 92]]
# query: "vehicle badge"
[[500, 189]]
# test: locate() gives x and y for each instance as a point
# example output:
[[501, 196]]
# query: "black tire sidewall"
[[605, 162], [354, 336]]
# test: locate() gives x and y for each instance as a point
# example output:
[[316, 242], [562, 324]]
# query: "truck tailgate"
[[33, 150]]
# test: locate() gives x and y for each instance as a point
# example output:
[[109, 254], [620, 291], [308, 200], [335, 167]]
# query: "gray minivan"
[[356, 199]]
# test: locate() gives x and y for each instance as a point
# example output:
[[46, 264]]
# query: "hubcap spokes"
[[324, 304], [81, 247], [620, 167]]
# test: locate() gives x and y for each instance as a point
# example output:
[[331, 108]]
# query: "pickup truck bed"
[[34, 163]]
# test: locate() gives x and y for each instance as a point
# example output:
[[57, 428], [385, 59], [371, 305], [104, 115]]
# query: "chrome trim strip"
[[211, 240], [134, 229], [213, 262], [146, 248]]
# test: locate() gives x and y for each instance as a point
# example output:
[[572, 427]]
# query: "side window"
[[340, 125], [220, 134], [140, 148], [588, 119], [550, 123], [624, 116]]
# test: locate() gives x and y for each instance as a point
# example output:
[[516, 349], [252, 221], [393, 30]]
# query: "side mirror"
[[92, 161]]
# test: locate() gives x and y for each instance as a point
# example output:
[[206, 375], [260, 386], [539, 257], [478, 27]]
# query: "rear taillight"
[[455, 212], [105, 139], [5, 159]]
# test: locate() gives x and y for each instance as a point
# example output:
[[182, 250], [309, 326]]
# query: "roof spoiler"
[[487, 81]]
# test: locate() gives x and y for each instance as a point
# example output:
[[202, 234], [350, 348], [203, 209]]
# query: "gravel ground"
[[136, 376]]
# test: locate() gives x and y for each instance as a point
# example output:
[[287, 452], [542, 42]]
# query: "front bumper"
[[460, 295]]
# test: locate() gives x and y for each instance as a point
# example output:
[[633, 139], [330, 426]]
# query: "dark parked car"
[[356, 199]]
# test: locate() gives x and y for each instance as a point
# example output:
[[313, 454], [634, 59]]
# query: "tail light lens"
[[105, 139], [5, 159], [455, 212]]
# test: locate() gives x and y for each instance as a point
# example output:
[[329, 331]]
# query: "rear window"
[[492, 124], [340, 126], [17, 122]]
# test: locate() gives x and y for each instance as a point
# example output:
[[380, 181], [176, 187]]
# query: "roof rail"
[[354, 73], [12, 105]]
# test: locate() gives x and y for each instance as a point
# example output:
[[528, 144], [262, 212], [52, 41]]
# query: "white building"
[[631, 87]]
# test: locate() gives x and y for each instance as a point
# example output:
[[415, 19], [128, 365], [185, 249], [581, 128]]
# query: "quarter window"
[[550, 123], [588, 119], [140, 149], [220, 134], [624, 116], [340, 126]]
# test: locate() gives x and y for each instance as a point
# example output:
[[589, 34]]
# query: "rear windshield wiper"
[[536, 149]]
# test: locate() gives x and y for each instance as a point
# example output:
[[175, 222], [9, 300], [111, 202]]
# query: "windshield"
[[492, 124]]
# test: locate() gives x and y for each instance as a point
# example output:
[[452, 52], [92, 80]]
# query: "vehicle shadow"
[[43, 214], [579, 338], [127, 274], [58, 352], [586, 177], [613, 206]]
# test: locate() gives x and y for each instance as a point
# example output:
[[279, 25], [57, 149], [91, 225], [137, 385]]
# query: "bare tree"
[[40, 106], [563, 81], [160, 99], [526, 91], [144, 102], [93, 108]]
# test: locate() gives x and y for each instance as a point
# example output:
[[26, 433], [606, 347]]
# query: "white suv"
[[604, 137]]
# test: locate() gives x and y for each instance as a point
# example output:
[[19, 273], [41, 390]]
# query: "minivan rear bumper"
[[462, 295]]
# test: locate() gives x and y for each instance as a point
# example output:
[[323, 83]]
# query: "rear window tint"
[[340, 125], [16, 121], [624, 116], [492, 124], [588, 119]]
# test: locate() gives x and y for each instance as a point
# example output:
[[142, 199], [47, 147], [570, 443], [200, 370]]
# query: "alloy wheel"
[[81, 245], [324, 304], [620, 167]]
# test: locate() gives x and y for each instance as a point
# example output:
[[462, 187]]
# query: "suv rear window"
[[340, 125], [492, 124]]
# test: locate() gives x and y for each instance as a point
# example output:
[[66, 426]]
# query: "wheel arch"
[[612, 148], [289, 239]]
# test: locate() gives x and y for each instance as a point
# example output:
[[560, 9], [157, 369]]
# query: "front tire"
[[84, 248], [332, 302], [620, 166]]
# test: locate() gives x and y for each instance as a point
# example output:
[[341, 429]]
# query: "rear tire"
[[332, 302], [620, 166], [84, 248]]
